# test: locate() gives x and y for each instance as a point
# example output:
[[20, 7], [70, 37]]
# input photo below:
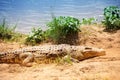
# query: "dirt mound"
[[95, 36]]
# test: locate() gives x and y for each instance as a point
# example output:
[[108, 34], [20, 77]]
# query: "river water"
[[36, 13]]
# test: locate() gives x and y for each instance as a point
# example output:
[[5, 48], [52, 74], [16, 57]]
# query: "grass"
[[63, 60], [8, 34], [88, 21]]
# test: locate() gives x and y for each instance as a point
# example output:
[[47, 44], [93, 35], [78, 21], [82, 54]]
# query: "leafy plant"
[[36, 36], [6, 32], [112, 18], [87, 21], [61, 26]]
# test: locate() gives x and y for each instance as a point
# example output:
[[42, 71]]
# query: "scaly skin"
[[27, 55]]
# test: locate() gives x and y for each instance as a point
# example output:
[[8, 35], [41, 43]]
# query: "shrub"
[[36, 36], [6, 32], [112, 18], [88, 21], [60, 27]]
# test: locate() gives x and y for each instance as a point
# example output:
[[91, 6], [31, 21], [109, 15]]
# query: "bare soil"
[[99, 68]]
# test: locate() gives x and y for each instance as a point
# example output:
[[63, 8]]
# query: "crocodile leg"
[[68, 57], [27, 59]]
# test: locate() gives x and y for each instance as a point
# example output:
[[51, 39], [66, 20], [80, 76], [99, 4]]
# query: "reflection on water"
[[34, 13]]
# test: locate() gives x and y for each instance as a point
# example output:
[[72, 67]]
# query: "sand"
[[99, 68]]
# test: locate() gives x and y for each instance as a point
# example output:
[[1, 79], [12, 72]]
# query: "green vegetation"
[[6, 32], [36, 36], [88, 21], [112, 18], [64, 60], [61, 26]]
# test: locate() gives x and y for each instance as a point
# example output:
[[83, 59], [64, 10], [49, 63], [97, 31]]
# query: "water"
[[36, 13]]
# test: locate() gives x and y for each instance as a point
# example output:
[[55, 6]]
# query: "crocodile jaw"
[[92, 52]]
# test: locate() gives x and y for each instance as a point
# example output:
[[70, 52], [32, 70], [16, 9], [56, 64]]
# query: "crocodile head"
[[89, 52]]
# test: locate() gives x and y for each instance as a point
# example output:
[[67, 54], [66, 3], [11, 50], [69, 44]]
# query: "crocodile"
[[26, 56]]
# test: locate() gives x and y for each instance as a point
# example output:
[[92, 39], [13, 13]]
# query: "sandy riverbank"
[[99, 68]]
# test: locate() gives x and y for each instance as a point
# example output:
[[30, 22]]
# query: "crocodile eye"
[[5, 54], [46, 54], [74, 50], [88, 48]]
